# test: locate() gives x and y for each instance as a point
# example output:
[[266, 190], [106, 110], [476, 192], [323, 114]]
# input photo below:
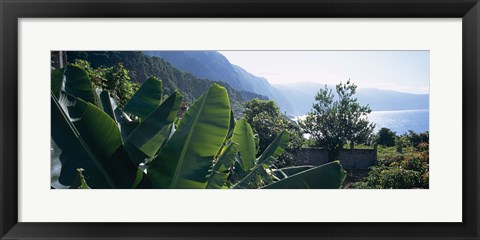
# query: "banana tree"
[[146, 145], [260, 174]]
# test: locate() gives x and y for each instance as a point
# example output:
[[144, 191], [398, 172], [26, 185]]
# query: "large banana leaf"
[[221, 168], [243, 135], [146, 99], [186, 158], [137, 156], [272, 151], [255, 178], [69, 152], [127, 127], [77, 83], [276, 148], [327, 176], [98, 130], [102, 136], [149, 135], [288, 171], [266, 177], [108, 105], [231, 126], [56, 78]]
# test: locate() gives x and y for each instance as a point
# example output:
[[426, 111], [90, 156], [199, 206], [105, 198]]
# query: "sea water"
[[399, 121]]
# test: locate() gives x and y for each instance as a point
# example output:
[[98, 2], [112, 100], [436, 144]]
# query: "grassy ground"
[[347, 146]]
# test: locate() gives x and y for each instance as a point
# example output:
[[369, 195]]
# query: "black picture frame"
[[12, 10]]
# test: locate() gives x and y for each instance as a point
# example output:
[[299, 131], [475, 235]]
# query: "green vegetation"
[[110, 131], [408, 168], [333, 123], [147, 144], [115, 80], [385, 137], [268, 122], [415, 139], [141, 67]]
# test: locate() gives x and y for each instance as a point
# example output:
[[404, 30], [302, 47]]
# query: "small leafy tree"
[[335, 122], [266, 119], [386, 137]]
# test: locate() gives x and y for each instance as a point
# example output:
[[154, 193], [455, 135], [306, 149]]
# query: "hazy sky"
[[405, 71]]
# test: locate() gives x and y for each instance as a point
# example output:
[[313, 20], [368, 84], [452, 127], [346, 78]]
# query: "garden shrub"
[[398, 171]]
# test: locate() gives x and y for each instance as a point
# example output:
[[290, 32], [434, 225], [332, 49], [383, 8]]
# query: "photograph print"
[[239, 119]]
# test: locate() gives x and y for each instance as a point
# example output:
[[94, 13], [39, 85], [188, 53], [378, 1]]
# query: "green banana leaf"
[[257, 177], [266, 177], [124, 123], [77, 83], [69, 152], [108, 105], [56, 78], [231, 127], [150, 134], [187, 157], [98, 130], [103, 138], [243, 135], [221, 168], [272, 151], [139, 178], [137, 156], [327, 176], [146, 99], [275, 149], [288, 171], [126, 128]]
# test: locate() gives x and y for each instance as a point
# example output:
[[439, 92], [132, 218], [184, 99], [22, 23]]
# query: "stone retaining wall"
[[350, 159]]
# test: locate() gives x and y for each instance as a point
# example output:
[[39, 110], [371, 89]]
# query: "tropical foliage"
[[141, 67], [268, 122], [115, 80], [98, 144]]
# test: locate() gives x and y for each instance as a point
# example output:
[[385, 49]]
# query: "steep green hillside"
[[214, 66], [142, 66], [203, 64]]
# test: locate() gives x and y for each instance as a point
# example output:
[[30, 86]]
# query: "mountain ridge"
[[214, 66], [295, 98], [141, 67]]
